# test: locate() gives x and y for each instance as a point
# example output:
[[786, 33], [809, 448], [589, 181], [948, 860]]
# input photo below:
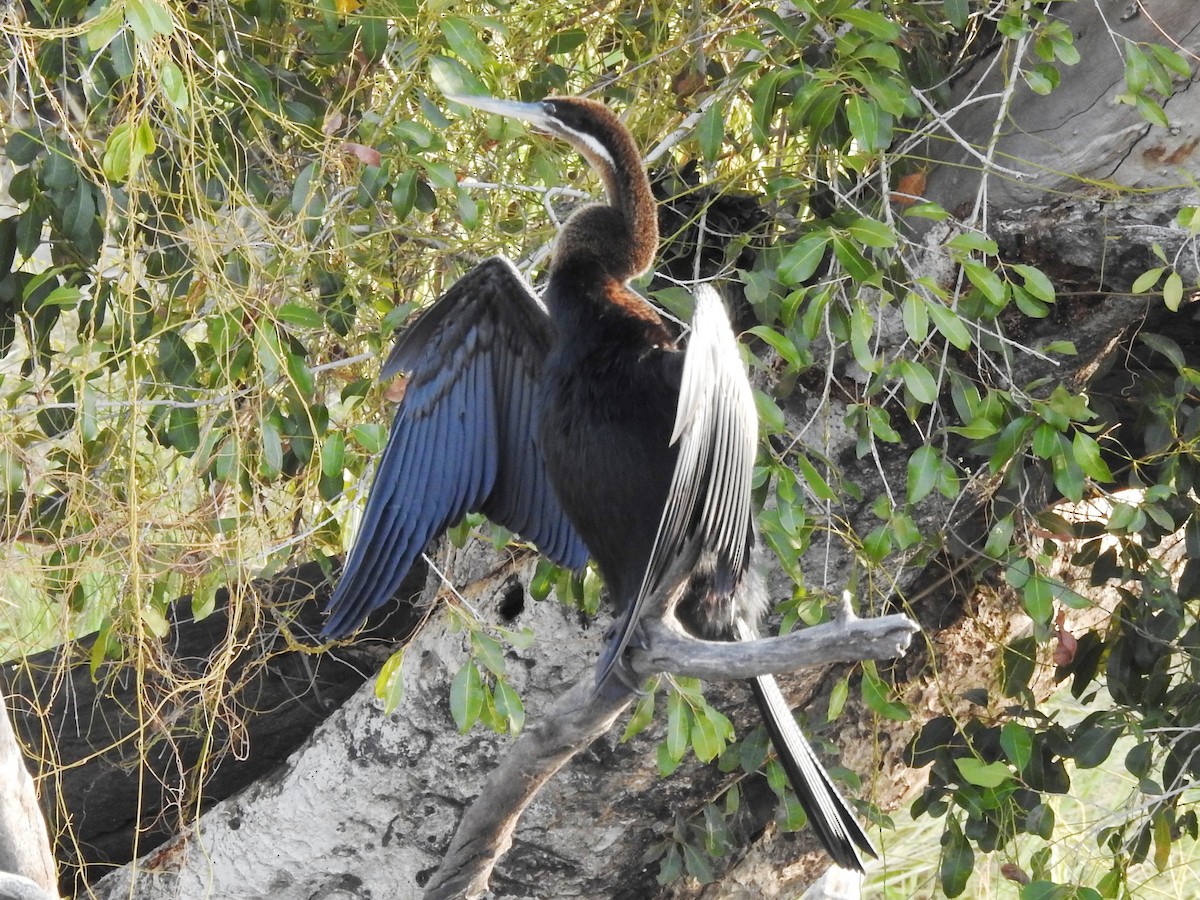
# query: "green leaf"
[[862, 326], [1151, 111], [466, 697], [710, 132], [919, 381], [770, 416], [958, 860], [1036, 282], [956, 12], [762, 109], [876, 695], [104, 26], [987, 281], [272, 448], [880, 423], [115, 162], [697, 864], [677, 726], [865, 122], [871, 233], [1037, 596], [780, 343], [565, 41], [1087, 454], [1172, 60], [1137, 68], [372, 37], [986, 775], [300, 316], [872, 23], [509, 706], [175, 359], [916, 317], [816, 483], [924, 469], [452, 77], [78, 214], [643, 715], [705, 740], [463, 41], [1028, 304], [950, 325], [333, 452], [837, 699], [1173, 291], [1017, 743], [404, 193], [300, 374], [488, 651], [1147, 280], [1042, 79], [389, 685], [1046, 442], [173, 85], [851, 258], [977, 429], [972, 242], [371, 436], [148, 18], [803, 257]]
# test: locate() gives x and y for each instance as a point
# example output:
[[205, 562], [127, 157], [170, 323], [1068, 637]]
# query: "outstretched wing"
[[463, 439], [708, 511]]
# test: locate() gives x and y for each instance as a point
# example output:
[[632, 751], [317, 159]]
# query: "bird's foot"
[[616, 674]]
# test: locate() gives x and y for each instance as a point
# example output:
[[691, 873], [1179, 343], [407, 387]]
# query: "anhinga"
[[576, 422]]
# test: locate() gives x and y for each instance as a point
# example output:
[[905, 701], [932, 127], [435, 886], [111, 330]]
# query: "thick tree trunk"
[[27, 867], [111, 792]]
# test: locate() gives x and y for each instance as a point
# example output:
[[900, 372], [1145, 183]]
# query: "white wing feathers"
[[716, 429]]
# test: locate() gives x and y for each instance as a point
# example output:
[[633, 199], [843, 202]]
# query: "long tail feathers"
[[829, 815]]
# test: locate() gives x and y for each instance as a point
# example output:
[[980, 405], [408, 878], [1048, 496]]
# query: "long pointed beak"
[[534, 113]]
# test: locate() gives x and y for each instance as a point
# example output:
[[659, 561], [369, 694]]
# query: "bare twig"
[[672, 650]]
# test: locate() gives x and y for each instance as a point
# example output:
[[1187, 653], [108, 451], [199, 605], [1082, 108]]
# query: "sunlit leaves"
[[462, 39], [127, 146], [389, 683], [173, 85], [148, 18]]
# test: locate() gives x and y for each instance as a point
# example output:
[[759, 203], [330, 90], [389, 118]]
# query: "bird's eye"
[[550, 107]]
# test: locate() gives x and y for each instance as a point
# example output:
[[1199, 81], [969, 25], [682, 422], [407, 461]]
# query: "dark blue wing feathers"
[[462, 439]]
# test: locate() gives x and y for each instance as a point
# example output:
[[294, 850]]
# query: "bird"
[[575, 420]]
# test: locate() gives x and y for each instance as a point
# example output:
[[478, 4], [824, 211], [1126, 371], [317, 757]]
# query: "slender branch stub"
[[668, 649]]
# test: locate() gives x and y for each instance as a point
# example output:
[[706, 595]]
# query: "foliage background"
[[217, 214]]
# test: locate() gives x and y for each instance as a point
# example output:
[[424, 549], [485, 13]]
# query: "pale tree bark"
[[27, 869], [369, 804]]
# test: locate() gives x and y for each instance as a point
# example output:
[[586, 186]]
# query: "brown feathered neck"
[[624, 243]]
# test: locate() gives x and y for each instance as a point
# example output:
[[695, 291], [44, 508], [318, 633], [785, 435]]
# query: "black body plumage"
[[580, 426]]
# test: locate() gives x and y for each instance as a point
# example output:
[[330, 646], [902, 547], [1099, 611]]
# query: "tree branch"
[[846, 640], [582, 714], [485, 832]]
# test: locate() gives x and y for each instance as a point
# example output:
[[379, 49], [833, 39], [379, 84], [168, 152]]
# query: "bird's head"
[[587, 125], [603, 140]]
